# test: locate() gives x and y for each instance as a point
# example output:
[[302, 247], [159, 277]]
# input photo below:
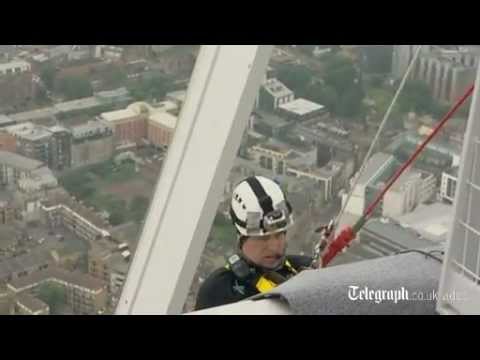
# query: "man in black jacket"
[[261, 214]]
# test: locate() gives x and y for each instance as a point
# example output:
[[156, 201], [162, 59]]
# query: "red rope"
[[419, 149]]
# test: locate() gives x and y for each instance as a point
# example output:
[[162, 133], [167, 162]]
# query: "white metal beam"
[[220, 98], [453, 282]]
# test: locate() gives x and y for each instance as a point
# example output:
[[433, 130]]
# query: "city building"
[[447, 78], [401, 198], [326, 177], [178, 97], [109, 261], [427, 187], [60, 148], [23, 265], [8, 142], [436, 157], [141, 121], [377, 170], [6, 121], [62, 215], [128, 125], [92, 143], [100, 101], [402, 56], [14, 167], [24, 174], [6, 302], [161, 127], [14, 67], [448, 70], [271, 157], [448, 185], [269, 124], [274, 93], [302, 109], [26, 304], [39, 180], [8, 210], [85, 294], [35, 144]]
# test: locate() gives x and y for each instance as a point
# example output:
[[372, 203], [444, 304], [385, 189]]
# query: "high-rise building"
[[35, 144], [448, 70], [60, 148], [92, 143]]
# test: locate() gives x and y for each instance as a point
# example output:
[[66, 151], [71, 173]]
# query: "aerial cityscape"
[[85, 130]]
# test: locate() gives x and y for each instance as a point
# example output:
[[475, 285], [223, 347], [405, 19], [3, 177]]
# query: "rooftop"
[[20, 128], [33, 115], [34, 259], [276, 88], [57, 128], [166, 106], [32, 303], [404, 179], [72, 278], [301, 107], [179, 95], [274, 147], [119, 115], [13, 64], [164, 118], [431, 221], [271, 120], [4, 119], [18, 161], [78, 104], [373, 165], [81, 130], [120, 92], [36, 134], [396, 235]]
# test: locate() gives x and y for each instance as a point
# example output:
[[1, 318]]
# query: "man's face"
[[266, 251]]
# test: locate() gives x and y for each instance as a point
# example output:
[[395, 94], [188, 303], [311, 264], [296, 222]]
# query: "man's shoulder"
[[217, 290], [299, 261], [220, 276]]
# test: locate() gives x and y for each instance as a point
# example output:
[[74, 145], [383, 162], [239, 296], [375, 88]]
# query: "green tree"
[[377, 59], [117, 217], [340, 73], [350, 104], [139, 207], [47, 74], [78, 184], [114, 76], [323, 94], [296, 77], [417, 97], [154, 87], [73, 87], [53, 295]]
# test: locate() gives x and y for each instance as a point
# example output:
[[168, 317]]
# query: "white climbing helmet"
[[259, 207]]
